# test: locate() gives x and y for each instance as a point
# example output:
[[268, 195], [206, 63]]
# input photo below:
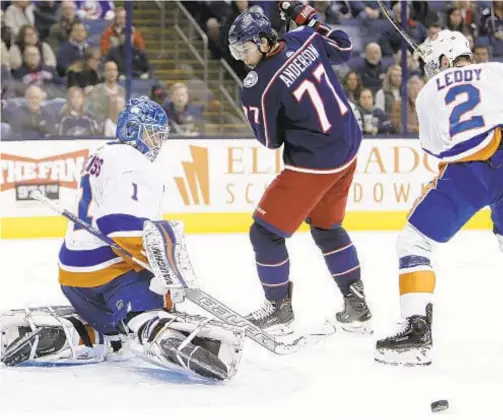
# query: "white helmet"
[[451, 44]]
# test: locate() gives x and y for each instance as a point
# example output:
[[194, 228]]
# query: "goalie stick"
[[198, 296]]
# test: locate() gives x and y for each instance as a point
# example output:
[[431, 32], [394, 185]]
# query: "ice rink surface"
[[335, 379]]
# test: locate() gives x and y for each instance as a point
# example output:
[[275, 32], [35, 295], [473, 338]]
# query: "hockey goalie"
[[115, 302]]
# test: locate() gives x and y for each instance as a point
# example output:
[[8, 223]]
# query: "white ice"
[[335, 379]]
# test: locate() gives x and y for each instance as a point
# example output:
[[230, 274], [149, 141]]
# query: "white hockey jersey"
[[459, 112], [119, 189]]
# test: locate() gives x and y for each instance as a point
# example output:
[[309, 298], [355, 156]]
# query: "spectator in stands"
[[84, 73], [75, 119], [391, 40], [470, 12], [5, 69], [414, 85], [390, 92], [328, 12], [18, 14], [216, 19], [116, 106], [421, 12], [95, 9], [4, 56], [491, 22], [352, 84], [31, 120], [72, 50], [158, 93], [6, 33], [140, 65], [33, 71], [60, 32], [433, 31], [361, 10], [46, 15], [185, 118], [482, 54], [28, 36], [111, 35], [413, 65], [357, 114], [375, 120], [103, 94], [454, 20], [372, 73]]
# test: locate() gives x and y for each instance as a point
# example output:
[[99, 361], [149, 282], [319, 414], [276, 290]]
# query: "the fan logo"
[[60, 169], [194, 186]]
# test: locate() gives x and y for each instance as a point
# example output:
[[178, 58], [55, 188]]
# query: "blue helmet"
[[249, 26], [144, 125]]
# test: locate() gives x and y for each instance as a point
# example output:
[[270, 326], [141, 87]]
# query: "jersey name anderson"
[[299, 65]]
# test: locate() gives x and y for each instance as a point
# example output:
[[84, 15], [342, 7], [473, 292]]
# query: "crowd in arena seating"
[[63, 71], [373, 77], [63, 62]]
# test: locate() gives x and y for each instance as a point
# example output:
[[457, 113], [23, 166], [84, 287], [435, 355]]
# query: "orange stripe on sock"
[[417, 282], [92, 335], [168, 302]]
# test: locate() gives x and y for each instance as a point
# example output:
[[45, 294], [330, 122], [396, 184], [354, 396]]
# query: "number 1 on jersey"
[[85, 201], [313, 93]]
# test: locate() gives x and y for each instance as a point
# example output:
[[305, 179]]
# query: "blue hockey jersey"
[[293, 98]]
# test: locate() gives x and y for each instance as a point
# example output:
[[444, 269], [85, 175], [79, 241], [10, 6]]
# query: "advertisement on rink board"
[[213, 185]]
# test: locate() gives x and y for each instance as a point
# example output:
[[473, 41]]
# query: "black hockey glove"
[[301, 14]]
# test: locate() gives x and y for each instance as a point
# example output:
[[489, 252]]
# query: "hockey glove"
[[301, 14]]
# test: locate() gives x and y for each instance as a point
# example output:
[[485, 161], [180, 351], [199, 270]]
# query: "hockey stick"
[[398, 27], [197, 296]]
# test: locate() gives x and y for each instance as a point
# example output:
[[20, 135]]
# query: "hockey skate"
[[356, 314], [275, 317], [411, 346]]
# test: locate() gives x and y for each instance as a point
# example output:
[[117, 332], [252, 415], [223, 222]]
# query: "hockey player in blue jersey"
[[292, 98], [113, 299]]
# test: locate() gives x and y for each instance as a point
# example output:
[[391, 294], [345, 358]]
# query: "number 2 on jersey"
[[456, 126], [307, 86]]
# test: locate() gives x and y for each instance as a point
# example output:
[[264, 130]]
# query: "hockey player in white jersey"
[[460, 112], [111, 296]]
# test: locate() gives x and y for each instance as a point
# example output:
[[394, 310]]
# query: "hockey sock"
[[340, 256], [273, 265], [417, 283]]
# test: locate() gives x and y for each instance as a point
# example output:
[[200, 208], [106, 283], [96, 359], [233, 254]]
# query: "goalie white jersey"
[[119, 189], [459, 111]]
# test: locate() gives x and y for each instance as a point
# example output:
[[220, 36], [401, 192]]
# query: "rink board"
[[212, 185]]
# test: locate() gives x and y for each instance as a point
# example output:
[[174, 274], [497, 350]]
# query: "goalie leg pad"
[[42, 335], [189, 344]]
